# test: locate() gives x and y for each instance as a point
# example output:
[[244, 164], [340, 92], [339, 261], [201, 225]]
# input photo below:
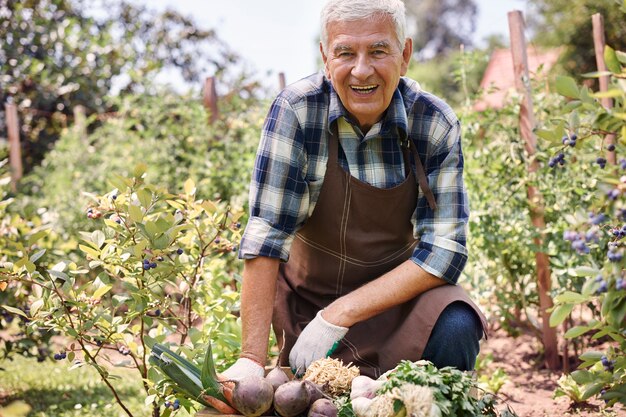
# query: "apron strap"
[[420, 174]]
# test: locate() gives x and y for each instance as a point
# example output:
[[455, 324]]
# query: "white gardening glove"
[[318, 340], [242, 368]]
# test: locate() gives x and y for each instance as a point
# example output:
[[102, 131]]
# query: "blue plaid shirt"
[[291, 163]]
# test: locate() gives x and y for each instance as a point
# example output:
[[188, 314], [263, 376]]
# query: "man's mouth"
[[364, 89]]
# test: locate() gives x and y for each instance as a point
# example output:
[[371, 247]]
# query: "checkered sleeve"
[[442, 232], [278, 191]]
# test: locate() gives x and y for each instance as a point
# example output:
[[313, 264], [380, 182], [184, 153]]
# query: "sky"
[[275, 36]]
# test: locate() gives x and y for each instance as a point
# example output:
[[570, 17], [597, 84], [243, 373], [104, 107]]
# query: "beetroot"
[[291, 398], [252, 396], [323, 408], [277, 377], [315, 391]]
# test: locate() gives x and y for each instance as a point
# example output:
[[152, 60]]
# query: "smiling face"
[[364, 64]]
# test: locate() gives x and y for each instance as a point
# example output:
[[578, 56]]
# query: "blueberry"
[[160, 258], [565, 140], [601, 161], [153, 265], [179, 251], [146, 266], [573, 137], [605, 361], [167, 404], [114, 196], [572, 142], [157, 312], [610, 148]]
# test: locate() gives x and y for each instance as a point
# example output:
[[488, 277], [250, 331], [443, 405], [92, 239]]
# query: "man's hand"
[[242, 368], [318, 340]]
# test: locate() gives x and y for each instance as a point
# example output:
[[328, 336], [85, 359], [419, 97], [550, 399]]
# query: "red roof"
[[499, 79]]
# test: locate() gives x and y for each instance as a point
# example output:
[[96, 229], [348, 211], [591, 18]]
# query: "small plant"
[[569, 388]]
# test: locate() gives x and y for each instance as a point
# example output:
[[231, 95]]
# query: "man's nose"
[[362, 67]]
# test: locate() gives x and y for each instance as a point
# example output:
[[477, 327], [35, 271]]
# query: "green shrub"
[[169, 134]]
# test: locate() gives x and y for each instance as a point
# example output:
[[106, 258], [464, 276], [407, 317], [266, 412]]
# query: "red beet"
[[291, 398], [252, 396], [277, 377], [323, 408]]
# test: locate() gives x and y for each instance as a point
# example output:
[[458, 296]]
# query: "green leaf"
[[560, 313], [208, 375], [592, 355], [610, 58], [612, 93], [14, 310], [101, 291], [32, 239], [566, 86], [571, 297], [576, 331], [592, 390], [190, 187], [621, 56], [597, 74], [90, 251], [135, 213], [582, 376], [139, 170], [151, 228], [145, 197], [35, 257], [35, 307], [97, 237], [586, 271], [58, 274]]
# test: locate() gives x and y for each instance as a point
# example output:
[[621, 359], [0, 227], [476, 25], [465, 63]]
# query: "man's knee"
[[454, 340]]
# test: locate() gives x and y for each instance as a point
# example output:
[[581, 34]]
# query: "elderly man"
[[358, 217]]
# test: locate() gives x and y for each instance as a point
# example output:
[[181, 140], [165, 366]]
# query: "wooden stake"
[[599, 43], [210, 99], [535, 199], [281, 81], [15, 149]]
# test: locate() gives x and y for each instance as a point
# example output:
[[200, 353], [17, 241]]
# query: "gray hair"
[[350, 10]]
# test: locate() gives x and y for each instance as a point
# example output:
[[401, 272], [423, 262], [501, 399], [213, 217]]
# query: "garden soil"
[[530, 387]]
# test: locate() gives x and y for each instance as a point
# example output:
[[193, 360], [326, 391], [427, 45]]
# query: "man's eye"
[[379, 52], [345, 54]]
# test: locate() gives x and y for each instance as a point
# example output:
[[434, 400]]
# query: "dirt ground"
[[529, 389]]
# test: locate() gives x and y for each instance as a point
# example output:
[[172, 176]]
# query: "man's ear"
[[407, 52], [325, 60]]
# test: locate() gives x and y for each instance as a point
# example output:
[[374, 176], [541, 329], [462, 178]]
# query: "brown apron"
[[356, 233]]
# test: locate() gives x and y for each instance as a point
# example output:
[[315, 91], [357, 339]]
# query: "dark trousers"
[[454, 338]]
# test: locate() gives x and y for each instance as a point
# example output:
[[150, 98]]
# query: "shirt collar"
[[394, 121]]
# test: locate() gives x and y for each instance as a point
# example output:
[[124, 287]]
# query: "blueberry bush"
[[596, 228], [157, 267]]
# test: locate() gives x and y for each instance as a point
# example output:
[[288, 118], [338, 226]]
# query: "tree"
[[440, 26], [567, 24], [56, 54]]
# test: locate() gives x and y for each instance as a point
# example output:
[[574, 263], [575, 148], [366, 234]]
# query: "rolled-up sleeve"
[[278, 190], [442, 250]]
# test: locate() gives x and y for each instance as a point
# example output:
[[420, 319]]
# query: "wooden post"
[[527, 123], [281, 81], [15, 149], [599, 43], [210, 99]]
